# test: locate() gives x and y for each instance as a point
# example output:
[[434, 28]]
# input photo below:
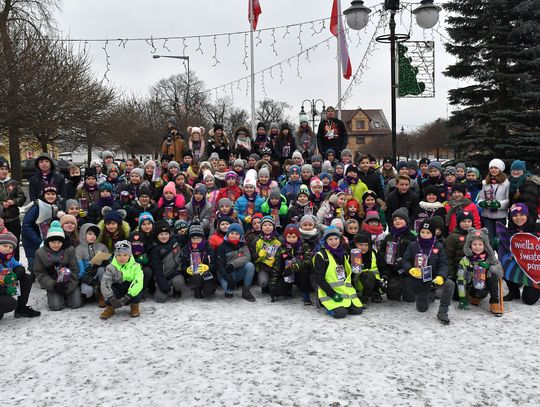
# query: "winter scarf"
[[455, 207], [106, 201], [373, 229], [338, 252], [426, 244], [397, 233], [90, 189]]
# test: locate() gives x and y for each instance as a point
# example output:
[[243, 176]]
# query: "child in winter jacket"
[[372, 225], [429, 207], [425, 260], [455, 242], [165, 260], [292, 187], [479, 271], [234, 264], [122, 282], [199, 208], [113, 228], [250, 202], [89, 189], [11, 198], [332, 273], [13, 280], [317, 194], [331, 209], [90, 275], [198, 263], [56, 270], [301, 206], [310, 232], [473, 183], [231, 190], [170, 203], [458, 202], [264, 184], [266, 248], [292, 266], [371, 202], [276, 207], [367, 280], [390, 258]]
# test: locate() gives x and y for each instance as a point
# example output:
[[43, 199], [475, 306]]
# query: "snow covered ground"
[[233, 353]]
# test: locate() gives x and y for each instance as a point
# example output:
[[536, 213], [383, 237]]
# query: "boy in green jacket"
[[122, 282]]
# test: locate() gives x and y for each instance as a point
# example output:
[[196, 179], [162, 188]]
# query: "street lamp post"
[[313, 106], [427, 15], [183, 57]]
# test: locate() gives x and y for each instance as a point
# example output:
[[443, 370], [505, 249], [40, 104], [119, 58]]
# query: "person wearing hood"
[[479, 272], [332, 272], [11, 198], [390, 257], [243, 141], [73, 181], [199, 209], [306, 140], [173, 145], [520, 221], [90, 274], [36, 222], [426, 262], [57, 271], [218, 142], [234, 264], [45, 176], [198, 263], [332, 133]]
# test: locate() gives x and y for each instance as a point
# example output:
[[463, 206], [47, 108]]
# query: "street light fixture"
[[427, 15], [183, 57], [303, 116]]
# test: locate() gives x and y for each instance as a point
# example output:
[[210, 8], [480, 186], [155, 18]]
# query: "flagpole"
[[251, 18], [339, 28]]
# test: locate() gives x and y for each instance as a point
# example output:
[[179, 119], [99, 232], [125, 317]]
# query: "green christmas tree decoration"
[[408, 84]]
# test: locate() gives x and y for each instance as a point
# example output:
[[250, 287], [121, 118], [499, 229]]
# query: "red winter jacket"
[[452, 223]]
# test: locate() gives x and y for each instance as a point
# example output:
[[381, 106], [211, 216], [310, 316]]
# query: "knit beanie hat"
[[370, 193], [315, 182], [459, 187], [113, 216], [438, 222], [362, 236], [213, 156], [137, 171], [231, 174], [402, 213], [473, 170], [462, 215], [235, 227], [307, 167], [68, 219], [105, 186], [112, 168], [106, 154], [296, 154], [238, 162], [303, 191], [327, 167], [450, 171], [324, 175], [170, 187], [263, 172], [144, 190], [292, 229], [8, 238], [372, 215], [196, 230], [224, 201], [316, 159], [261, 125], [308, 218], [331, 231], [497, 163], [72, 203], [295, 169], [149, 163], [412, 164], [461, 165], [90, 172], [218, 126], [201, 189], [436, 165], [255, 156], [162, 226], [268, 219], [402, 164], [429, 225], [430, 189], [55, 232], [122, 247], [346, 151], [251, 178], [173, 164], [423, 161], [275, 193], [180, 224], [145, 216], [518, 165], [519, 208], [207, 174]]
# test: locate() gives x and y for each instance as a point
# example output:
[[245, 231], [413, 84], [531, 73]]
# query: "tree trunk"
[[88, 148], [44, 146]]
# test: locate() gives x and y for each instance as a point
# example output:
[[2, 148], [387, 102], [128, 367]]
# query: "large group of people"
[[275, 210]]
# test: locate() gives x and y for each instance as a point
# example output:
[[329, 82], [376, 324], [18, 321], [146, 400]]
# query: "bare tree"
[[271, 111], [237, 117]]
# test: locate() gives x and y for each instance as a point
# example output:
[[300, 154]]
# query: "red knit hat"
[[292, 229]]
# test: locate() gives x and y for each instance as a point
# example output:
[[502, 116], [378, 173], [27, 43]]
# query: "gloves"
[[115, 302], [383, 283], [463, 303], [263, 253], [11, 290], [495, 243], [415, 272], [339, 212], [142, 259], [484, 264], [495, 204], [439, 280], [229, 268], [484, 205], [247, 219], [60, 288], [337, 297], [125, 299], [10, 278]]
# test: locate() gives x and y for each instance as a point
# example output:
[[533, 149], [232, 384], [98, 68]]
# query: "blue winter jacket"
[[291, 189], [241, 204], [31, 239]]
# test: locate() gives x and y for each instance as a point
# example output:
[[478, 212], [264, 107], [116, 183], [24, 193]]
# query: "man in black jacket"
[[44, 176], [332, 134]]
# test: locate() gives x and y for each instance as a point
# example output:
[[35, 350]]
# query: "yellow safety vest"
[[343, 287]]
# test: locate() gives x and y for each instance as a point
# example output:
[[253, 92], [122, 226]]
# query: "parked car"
[[28, 168]]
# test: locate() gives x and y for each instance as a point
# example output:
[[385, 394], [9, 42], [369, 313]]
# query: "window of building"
[[360, 140], [376, 125], [360, 124]]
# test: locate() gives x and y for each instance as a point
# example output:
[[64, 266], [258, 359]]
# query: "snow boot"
[[26, 312], [197, 293], [134, 310], [273, 298], [107, 313], [376, 298], [306, 299], [101, 301], [442, 316], [497, 309], [474, 300], [265, 290], [246, 294], [177, 294], [229, 295]]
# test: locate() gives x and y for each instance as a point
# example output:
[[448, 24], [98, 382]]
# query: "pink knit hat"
[[170, 187]]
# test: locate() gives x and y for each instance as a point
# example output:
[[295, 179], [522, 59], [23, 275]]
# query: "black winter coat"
[[408, 200]]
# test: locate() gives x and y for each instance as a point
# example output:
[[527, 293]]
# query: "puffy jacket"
[[31, 237], [227, 253], [165, 260], [437, 260], [500, 193], [46, 273], [291, 189], [36, 182], [261, 244], [117, 274], [241, 206]]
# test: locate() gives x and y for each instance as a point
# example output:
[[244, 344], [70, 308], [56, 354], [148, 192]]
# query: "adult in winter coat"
[[332, 133], [520, 222], [218, 142], [174, 145], [44, 176], [11, 198], [306, 140], [494, 197]]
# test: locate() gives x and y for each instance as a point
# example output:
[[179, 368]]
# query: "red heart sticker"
[[462, 238], [525, 248], [435, 250]]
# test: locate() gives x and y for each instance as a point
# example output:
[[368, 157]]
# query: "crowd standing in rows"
[[283, 208]]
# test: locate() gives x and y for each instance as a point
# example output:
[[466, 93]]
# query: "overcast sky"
[[132, 68]]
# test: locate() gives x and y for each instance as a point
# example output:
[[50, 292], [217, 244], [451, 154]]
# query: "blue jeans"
[[244, 274]]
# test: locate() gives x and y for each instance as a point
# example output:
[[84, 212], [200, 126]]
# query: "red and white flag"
[[256, 11], [346, 67]]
